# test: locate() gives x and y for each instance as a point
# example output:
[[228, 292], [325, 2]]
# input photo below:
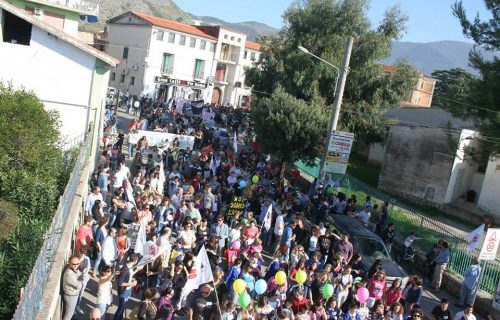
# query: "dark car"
[[370, 247]]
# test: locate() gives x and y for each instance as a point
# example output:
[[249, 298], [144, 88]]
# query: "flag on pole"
[[268, 218], [200, 274], [475, 237], [141, 240], [213, 166], [129, 191], [235, 143], [161, 179]]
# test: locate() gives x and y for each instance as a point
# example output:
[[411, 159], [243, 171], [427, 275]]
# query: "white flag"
[[235, 143], [268, 218], [475, 238], [141, 240], [200, 273], [161, 179], [130, 193]]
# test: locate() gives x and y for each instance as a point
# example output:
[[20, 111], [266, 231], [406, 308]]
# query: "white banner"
[[160, 138]]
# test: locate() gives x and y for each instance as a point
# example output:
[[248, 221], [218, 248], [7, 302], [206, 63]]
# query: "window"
[[167, 65], [15, 30], [112, 76], [225, 36], [132, 81], [125, 53], [159, 35], [232, 38], [192, 42], [245, 55], [199, 67], [171, 37], [239, 39], [252, 56], [122, 78], [203, 44], [212, 47], [182, 41]]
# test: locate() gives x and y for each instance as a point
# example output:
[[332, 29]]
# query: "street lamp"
[[337, 94], [301, 48]]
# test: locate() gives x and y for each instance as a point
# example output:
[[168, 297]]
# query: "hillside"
[[111, 8], [431, 56], [251, 28]]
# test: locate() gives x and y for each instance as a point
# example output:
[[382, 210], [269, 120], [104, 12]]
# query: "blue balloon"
[[243, 184], [260, 286]]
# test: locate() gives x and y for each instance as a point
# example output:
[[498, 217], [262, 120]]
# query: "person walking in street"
[[470, 284], [466, 314], [442, 260], [220, 231], [125, 285], [286, 240], [72, 285], [84, 270], [441, 312], [109, 249], [208, 202]]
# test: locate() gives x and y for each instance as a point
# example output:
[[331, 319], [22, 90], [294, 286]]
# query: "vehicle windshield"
[[372, 248]]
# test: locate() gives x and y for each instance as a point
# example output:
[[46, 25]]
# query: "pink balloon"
[[236, 245], [362, 294]]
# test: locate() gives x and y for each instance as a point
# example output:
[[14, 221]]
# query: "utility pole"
[[338, 94]]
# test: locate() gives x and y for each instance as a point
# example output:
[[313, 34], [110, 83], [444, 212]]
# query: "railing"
[[31, 297], [408, 219]]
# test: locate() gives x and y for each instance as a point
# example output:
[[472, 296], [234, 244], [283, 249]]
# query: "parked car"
[[369, 246]]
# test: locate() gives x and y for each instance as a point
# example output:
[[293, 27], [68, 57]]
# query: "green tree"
[[482, 99], [32, 167], [323, 26], [451, 86], [289, 128]]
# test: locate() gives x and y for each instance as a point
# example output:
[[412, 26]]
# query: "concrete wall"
[[376, 153], [56, 71], [418, 163], [463, 169], [489, 199]]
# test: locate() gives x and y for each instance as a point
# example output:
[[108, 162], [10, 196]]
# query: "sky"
[[429, 20]]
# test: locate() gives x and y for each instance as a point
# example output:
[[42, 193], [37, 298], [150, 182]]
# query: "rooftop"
[[252, 45]]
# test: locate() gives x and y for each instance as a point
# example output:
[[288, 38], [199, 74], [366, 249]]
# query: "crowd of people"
[[277, 256]]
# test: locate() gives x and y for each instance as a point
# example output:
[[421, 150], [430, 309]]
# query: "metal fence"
[[409, 219], [31, 295]]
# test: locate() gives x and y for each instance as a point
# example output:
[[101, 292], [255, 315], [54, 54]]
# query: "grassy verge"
[[364, 171]]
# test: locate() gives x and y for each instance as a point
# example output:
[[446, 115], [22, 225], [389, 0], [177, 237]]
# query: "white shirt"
[[120, 176], [91, 200], [279, 225], [460, 315], [364, 216], [109, 252], [104, 293]]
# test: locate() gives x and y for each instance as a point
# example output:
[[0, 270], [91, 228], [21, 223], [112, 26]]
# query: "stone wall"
[[418, 163]]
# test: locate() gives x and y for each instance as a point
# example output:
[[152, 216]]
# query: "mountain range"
[[426, 57]]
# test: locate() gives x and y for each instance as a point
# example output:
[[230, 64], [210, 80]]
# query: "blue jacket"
[[286, 238], [231, 275]]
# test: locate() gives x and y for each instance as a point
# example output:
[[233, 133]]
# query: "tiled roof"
[[172, 25], [252, 45], [388, 68]]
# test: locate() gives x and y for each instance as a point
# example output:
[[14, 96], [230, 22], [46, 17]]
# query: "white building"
[[164, 59], [66, 74]]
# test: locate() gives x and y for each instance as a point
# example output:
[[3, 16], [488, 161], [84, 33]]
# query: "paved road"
[[428, 302]]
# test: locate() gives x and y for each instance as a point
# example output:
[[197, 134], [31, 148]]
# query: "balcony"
[[199, 75], [80, 6], [229, 54]]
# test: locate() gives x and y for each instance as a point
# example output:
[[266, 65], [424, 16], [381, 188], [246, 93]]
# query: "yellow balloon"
[[280, 278], [239, 286], [301, 276]]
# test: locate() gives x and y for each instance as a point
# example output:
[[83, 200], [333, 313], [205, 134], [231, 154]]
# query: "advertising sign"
[[338, 153]]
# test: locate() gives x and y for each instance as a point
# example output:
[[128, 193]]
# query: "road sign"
[[338, 153], [490, 245]]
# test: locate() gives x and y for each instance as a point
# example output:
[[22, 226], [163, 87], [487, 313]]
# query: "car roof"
[[354, 227]]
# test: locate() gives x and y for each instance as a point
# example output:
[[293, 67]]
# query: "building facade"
[[164, 59], [63, 15], [421, 95], [67, 75]]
